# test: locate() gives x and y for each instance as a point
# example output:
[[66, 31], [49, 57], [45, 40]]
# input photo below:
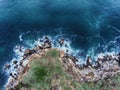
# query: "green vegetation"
[[40, 73], [47, 73], [43, 71], [20, 85]]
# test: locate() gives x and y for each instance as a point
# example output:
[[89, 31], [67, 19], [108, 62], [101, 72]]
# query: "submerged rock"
[[61, 42], [7, 66]]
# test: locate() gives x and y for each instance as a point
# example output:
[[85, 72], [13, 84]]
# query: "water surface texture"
[[92, 26]]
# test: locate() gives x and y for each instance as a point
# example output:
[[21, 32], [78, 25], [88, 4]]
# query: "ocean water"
[[90, 26]]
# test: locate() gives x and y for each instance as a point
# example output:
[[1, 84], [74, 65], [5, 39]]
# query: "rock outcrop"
[[105, 67]]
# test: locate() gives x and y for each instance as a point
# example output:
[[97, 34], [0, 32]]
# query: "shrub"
[[40, 73]]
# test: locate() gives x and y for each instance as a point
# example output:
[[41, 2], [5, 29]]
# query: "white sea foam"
[[20, 36]]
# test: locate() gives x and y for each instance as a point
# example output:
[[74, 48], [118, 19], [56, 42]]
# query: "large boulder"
[[28, 52], [106, 75], [115, 68], [62, 54], [89, 61], [15, 62]]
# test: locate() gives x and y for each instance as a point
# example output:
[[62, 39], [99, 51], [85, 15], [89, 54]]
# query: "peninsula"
[[47, 68]]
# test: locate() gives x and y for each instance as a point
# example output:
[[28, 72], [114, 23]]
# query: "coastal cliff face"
[[48, 68]]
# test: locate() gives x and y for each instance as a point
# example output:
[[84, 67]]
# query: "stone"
[[62, 54], [46, 37], [56, 88], [61, 42], [81, 66], [115, 68], [47, 45], [21, 63], [16, 66], [7, 66], [15, 62], [28, 52], [20, 49], [90, 74], [64, 60], [89, 61], [37, 48], [25, 62], [97, 65], [11, 74], [106, 75], [67, 51], [115, 62]]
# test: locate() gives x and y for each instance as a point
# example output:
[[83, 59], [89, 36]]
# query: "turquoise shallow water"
[[92, 26]]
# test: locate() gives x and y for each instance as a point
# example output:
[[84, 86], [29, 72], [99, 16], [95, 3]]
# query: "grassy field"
[[47, 73]]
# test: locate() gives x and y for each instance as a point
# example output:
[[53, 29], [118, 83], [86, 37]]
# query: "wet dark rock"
[[85, 65], [61, 42], [15, 62], [21, 64], [119, 53], [16, 66], [46, 37], [75, 59], [41, 40], [81, 66], [20, 49], [11, 74], [15, 74], [72, 58], [89, 61], [28, 52], [119, 58], [7, 66], [47, 45], [66, 45], [110, 57], [66, 55], [97, 65], [67, 51], [64, 60], [47, 40]]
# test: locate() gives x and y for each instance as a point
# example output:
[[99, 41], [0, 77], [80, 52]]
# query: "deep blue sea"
[[92, 26]]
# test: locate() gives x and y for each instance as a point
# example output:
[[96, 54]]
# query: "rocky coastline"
[[105, 67]]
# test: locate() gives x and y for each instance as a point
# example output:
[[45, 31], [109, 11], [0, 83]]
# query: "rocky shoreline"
[[104, 68]]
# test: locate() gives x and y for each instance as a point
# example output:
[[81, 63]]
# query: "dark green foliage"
[[53, 53], [40, 73], [20, 85]]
